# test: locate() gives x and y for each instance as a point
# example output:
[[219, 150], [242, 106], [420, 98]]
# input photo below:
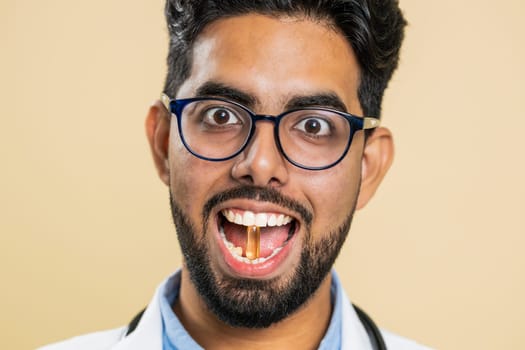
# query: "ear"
[[158, 133], [378, 155]]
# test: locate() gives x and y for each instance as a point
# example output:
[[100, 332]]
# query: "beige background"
[[85, 227]]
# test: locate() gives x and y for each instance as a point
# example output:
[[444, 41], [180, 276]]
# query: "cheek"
[[333, 197], [338, 198], [193, 181], [184, 178]]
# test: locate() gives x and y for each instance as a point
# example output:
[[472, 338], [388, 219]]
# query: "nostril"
[[274, 182], [247, 179]]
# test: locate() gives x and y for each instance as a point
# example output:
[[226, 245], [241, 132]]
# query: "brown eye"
[[314, 127], [221, 116]]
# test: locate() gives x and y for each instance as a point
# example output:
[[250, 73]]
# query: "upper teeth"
[[249, 218]]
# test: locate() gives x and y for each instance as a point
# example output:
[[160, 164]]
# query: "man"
[[267, 137]]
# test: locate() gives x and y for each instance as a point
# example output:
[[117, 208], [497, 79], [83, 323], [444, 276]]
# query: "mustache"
[[266, 194]]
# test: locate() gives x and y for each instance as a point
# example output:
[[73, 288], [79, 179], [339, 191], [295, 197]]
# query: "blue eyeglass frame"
[[176, 106]]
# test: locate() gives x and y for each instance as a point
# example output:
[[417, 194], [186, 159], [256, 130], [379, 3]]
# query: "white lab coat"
[[148, 334]]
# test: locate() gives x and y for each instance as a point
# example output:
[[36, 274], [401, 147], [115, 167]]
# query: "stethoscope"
[[376, 339]]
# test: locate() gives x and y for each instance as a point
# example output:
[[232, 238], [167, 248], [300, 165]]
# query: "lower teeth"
[[237, 251]]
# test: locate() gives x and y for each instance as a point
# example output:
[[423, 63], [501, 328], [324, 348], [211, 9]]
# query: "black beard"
[[257, 303]]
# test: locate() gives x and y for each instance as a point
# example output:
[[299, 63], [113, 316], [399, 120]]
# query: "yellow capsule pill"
[[253, 242]]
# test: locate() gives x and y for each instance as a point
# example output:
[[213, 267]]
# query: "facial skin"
[[272, 61]]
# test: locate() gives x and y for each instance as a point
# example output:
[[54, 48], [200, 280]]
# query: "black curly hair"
[[374, 29]]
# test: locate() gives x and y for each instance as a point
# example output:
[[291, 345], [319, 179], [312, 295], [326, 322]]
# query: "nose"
[[261, 163]]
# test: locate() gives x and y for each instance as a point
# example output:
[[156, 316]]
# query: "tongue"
[[271, 237]]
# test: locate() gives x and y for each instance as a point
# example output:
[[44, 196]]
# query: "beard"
[[257, 303]]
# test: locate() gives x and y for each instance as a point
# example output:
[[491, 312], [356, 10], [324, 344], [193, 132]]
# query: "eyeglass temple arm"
[[370, 122], [165, 99]]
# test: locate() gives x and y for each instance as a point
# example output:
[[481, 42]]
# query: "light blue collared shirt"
[[175, 337]]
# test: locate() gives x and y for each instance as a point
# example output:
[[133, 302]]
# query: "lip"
[[270, 268]]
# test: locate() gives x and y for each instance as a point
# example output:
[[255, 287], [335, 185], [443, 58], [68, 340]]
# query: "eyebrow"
[[326, 100], [215, 89], [322, 99]]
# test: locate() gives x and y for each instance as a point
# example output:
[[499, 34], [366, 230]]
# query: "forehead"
[[274, 59]]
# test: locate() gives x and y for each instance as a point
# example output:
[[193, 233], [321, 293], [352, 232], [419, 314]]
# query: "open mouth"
[[276, 230]]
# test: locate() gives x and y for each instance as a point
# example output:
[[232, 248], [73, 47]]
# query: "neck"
[[304, 329]]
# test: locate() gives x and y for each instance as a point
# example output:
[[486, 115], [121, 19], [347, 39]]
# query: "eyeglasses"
[[216, 129]]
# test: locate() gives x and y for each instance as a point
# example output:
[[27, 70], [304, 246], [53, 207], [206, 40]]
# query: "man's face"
[[266, 63]]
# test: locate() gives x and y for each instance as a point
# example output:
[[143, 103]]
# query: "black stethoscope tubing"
[[374, 334]]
